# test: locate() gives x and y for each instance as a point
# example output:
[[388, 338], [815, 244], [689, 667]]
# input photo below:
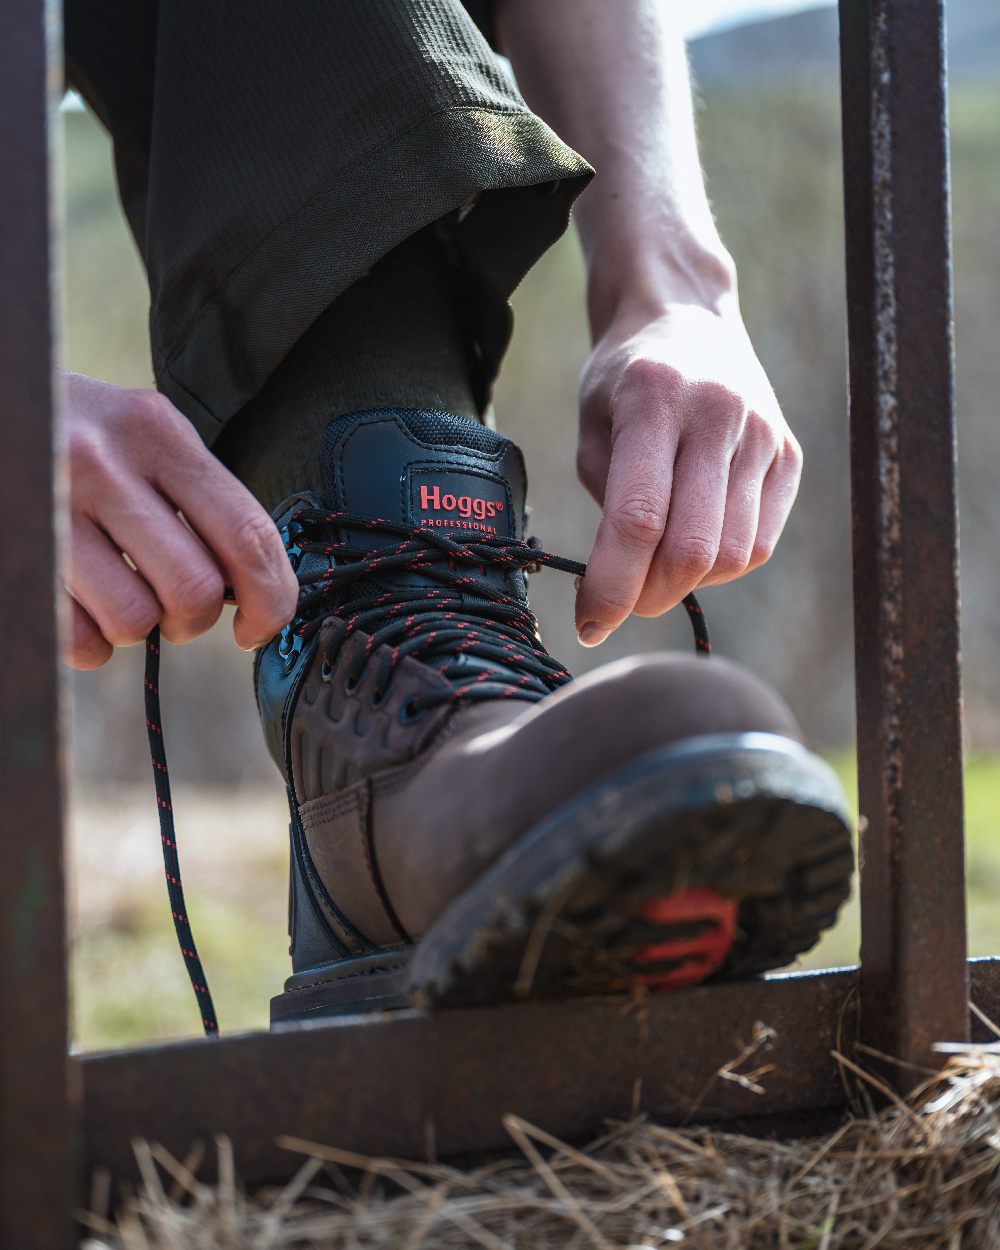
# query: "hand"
[[683, 444], [142, 482]]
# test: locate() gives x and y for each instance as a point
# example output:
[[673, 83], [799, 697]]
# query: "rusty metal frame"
[[35, 1113], [419, 1086], [914, 986], [414, 1083]]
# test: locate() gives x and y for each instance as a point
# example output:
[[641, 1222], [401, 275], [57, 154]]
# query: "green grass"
[[129, 980], [130, 985], [982, 828]]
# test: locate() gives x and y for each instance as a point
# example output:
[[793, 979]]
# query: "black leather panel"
[[376, 463], [277, 690]]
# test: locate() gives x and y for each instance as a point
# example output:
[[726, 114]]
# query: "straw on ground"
[[919, 1174]]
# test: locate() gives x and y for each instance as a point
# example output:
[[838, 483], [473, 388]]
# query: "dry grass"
[[922, 1174]]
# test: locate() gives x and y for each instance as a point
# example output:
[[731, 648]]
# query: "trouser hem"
[[436, 168]]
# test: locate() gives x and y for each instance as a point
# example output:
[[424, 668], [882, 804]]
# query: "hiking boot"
[[467, 824]]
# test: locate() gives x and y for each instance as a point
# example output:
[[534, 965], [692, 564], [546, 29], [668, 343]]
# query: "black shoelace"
[[460, 614]]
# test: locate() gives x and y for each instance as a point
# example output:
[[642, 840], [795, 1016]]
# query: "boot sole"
[[718, 858], [349, 987]]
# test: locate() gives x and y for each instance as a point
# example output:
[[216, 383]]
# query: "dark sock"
[[394, 339]]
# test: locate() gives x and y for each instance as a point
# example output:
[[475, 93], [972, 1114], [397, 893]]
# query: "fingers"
[[173, 561], [241, 537], [678, 418], [118, 601], [723, 522], [135, 463], [637, 500], [737, 542], [690, 542], [781, 485], [678, 519], [85, 645]]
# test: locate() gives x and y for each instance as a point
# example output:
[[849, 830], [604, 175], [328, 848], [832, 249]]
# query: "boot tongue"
[[437, 472], [427, 469]]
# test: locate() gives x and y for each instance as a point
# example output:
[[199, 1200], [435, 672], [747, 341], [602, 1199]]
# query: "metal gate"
[[394, 1085]]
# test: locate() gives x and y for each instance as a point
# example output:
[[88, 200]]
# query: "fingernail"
[[592, 634], [578, 582]]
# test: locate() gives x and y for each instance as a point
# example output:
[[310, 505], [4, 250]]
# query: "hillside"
[[803, 47]]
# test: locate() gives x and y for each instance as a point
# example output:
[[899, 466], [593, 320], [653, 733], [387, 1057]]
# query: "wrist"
[[642, 278]]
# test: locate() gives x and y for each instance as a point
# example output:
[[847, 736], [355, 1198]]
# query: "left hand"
[[684, 445]]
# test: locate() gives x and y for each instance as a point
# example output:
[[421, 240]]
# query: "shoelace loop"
[[468, 615], [462, 616], [453, 617]]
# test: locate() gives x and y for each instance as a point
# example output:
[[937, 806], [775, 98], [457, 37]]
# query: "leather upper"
[[330, 730], [493, 771], [396, 811]]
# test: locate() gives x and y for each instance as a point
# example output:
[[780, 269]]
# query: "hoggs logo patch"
[[460, 501], [431, 499]]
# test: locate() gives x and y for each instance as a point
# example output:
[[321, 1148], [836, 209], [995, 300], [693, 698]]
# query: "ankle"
[[393, 340]]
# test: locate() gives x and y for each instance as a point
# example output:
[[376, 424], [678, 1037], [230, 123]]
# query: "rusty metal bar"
[[35, 1120], [407, 1084], [401, 1085], [913, 986]]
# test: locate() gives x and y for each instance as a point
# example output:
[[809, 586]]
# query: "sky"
[[725, 12]]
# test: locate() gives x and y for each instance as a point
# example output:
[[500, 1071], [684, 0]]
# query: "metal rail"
[[914, 987], [35, 1120], [456, 1074], [419, 1085]]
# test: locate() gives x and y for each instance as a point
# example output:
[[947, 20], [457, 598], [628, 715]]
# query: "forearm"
[[612, 79]]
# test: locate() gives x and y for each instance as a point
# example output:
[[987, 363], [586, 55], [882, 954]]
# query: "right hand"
[[143, 483]]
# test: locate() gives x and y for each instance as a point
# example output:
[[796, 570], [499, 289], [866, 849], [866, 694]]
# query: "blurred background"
[[769, 126]]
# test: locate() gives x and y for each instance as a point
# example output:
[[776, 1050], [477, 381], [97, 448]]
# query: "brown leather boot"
[[468, 825]]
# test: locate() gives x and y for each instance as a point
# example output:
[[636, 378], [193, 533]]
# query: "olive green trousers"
[[270, 153]]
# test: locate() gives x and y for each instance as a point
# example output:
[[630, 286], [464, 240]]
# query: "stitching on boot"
[[351, 976], [329, 806], [334, 917], [373, 869]]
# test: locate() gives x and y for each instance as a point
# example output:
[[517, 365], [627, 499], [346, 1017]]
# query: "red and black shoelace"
[[455, 612], [168, 838]]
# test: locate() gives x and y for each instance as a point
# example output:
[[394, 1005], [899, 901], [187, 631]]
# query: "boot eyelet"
[[326, 670], [290, 647], [379, 697], [351, 685], [408, 714], [290, 644], [290, 536]]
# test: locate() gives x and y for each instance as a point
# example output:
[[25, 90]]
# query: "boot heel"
[[357, 986]]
